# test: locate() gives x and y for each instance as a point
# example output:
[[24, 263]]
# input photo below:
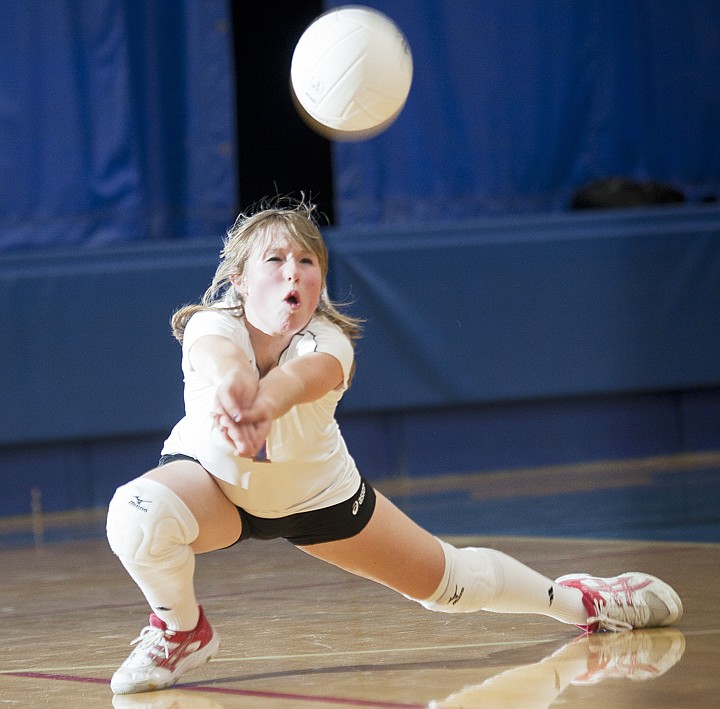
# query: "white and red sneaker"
[[631, 600], [162, 656]]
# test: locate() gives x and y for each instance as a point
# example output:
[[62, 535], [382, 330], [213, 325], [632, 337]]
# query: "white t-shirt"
[[308, 466]]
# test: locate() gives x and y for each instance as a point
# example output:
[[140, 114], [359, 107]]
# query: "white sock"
[[486, 579], [169, 590], [523, 590]]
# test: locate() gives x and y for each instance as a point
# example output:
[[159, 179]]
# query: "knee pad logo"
[[455, 598], [139, 504]]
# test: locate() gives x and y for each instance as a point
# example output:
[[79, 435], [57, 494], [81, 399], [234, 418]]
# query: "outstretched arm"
[[227, 367], [298, 381]]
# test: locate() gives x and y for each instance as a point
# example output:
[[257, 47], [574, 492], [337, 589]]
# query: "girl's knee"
[[146, 519]]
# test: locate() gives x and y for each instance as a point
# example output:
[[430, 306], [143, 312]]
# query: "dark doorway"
[[277, 152]]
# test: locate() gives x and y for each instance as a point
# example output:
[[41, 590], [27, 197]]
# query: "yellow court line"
[[551, 479]]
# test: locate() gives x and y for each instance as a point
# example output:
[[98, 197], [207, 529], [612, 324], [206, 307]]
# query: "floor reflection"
[[639, 655]]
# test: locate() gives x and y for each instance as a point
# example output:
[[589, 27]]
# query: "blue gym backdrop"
[[503, 328]]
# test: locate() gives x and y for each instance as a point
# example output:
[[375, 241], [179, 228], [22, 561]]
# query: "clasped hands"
[[242, 415]]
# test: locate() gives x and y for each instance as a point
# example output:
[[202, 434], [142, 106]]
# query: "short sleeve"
[[322, 336], [215, 322]]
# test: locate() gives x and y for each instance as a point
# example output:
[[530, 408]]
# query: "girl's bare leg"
[[392, 550], [216, 516], [398, 553]]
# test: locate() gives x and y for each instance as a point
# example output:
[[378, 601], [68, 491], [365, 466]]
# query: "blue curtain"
[[116, 121], [516, 105], [117, 117]]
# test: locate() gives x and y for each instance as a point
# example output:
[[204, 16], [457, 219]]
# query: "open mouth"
[[293, 299]]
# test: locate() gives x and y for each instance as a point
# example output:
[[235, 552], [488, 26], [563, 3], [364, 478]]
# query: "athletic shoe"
[[631, 600], [642, 655], [162, 656]]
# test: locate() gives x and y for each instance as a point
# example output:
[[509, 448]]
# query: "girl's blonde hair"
[[298, 220]]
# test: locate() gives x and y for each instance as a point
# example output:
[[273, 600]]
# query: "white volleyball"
[[351, 73]]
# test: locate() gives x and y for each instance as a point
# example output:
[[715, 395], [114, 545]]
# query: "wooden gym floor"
[[298, 633]]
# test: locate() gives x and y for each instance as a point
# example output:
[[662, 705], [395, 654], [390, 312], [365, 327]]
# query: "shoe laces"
[[150, 639], [615, 613]]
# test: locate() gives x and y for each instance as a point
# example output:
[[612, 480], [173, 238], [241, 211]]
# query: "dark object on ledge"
[[621, 192]]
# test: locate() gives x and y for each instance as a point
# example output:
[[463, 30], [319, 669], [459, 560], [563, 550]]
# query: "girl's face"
[[281, 285]]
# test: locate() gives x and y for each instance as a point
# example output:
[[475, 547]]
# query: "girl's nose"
[[291, 272]]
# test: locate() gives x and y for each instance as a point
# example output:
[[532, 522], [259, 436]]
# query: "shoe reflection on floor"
[[589, 659], [638, 655], [165, 699]]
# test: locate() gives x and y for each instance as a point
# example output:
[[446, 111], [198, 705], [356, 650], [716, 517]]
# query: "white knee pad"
[[147, 522], [471, 581]]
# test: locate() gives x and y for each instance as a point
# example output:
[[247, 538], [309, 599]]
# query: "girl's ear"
[[238, 282]]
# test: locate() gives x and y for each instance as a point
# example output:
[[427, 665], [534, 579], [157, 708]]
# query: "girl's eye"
[[307, 259]]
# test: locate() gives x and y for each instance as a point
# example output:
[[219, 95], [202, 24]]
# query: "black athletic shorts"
[[329, 524]]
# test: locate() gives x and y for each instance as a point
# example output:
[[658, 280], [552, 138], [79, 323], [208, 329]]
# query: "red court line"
[[235, 692]]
